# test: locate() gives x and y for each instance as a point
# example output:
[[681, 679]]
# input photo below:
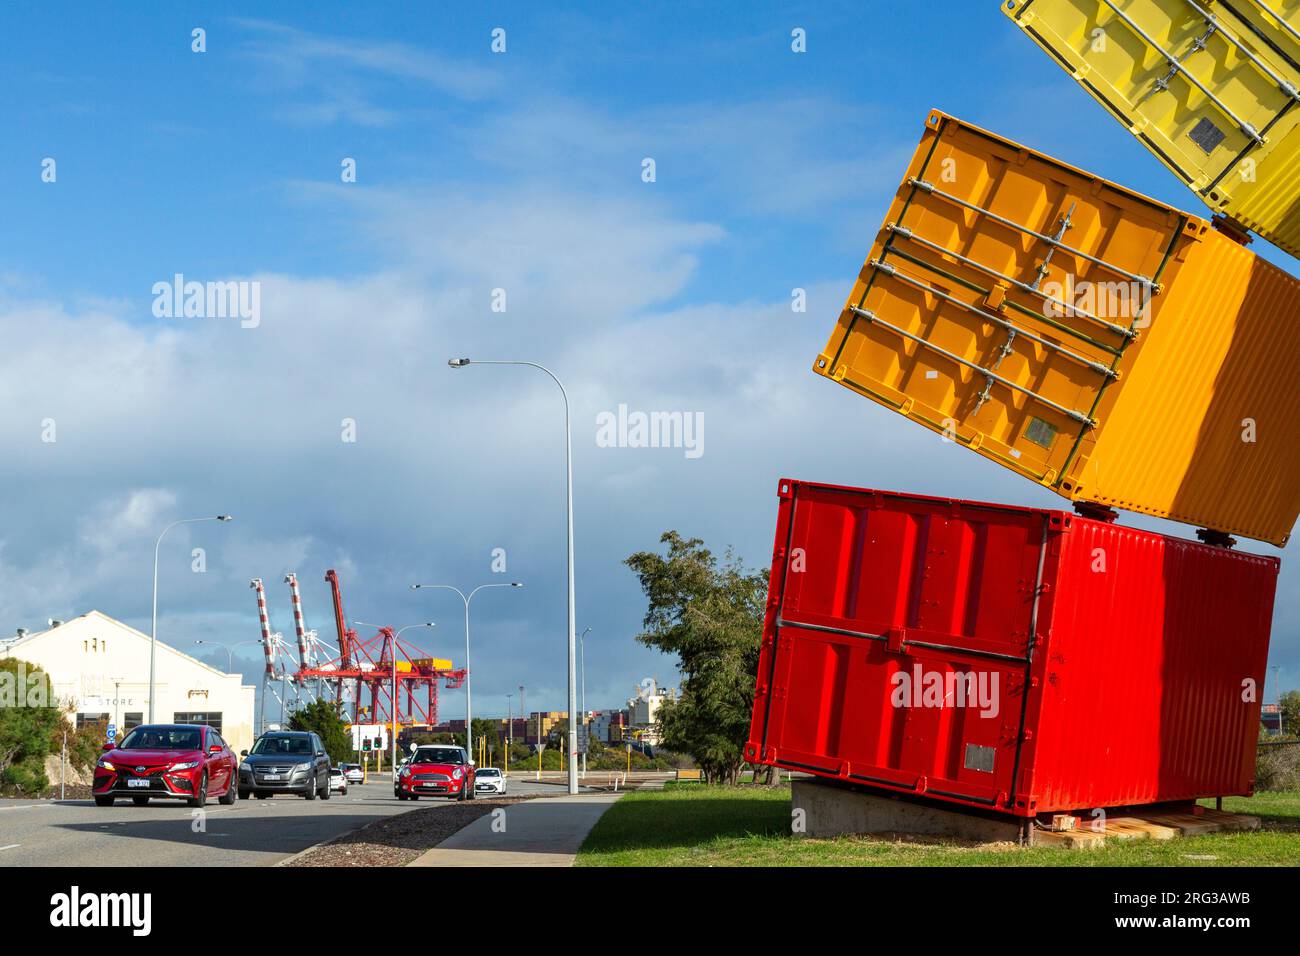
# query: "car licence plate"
[[270, 776], [137, 783]]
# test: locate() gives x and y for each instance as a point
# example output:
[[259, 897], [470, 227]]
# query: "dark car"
[[188, 762], [285, 761]]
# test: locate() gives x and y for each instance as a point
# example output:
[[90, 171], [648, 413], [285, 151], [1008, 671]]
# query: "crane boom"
[[268, 643], [300, 628]]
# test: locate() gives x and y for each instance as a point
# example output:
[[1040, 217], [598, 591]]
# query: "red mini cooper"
[[187, 762], [436, 771]]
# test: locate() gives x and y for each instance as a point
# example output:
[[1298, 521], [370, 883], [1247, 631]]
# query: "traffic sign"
[[111, 734], [583, 739]]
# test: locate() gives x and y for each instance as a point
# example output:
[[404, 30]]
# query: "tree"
[[28, 723], [491, 729], [1290, 704], [710, 615], [322, 717]]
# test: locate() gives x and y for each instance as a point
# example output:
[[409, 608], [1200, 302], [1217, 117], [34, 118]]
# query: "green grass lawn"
[[694, 825]]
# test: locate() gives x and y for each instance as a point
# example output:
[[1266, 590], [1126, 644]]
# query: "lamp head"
[[458, 362], [225, 517]]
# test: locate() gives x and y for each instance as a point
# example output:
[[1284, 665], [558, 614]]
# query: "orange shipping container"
[[1105, 345]]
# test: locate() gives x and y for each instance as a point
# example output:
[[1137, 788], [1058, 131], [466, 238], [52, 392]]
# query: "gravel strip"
[[397, 840]]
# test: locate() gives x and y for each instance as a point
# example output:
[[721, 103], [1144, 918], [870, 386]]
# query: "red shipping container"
[[1018, 659]]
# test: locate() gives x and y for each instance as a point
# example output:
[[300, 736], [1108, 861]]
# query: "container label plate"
[[979, 758], [1206, 135], [1040, 433]]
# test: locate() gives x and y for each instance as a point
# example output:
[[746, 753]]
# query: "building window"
[[89, 719], [210, 717], [132, 719]]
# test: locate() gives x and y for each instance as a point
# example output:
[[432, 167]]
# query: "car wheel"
[[103, 801], [325, 790], [231, 793], [201, 798], [140, 801], [310, 792]]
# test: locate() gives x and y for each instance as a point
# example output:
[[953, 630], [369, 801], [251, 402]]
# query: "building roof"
[[12, 644]]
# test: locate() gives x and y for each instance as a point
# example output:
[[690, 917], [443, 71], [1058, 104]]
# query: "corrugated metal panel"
[[1211, 87], [1100, 343], [1136, 679], [1145, 697]]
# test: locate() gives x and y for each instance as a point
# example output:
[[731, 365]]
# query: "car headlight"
[[406, 772], [457, 773], [184, 765], [245, 767], [105, 764]]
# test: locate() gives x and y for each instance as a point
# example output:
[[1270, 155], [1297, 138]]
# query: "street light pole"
[[153, 629], [229, 649], [568, 463], [469, 712]]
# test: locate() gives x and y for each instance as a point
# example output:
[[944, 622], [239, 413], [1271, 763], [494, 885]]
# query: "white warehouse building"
[[99, 669]]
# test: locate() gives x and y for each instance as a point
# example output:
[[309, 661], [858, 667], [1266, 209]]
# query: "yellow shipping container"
[[1211, 87], [1103, 344], [437, 663]]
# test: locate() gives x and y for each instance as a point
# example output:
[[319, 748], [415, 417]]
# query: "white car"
[[489, 780], [352, 773], [338, 782]]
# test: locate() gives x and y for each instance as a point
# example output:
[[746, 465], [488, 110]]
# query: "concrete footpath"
[[543, 832]]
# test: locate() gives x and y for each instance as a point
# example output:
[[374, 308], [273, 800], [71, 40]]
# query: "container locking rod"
[[936, 191], [1097, 367], [1067, 412], [1173, 62], [1066, 307], [1283, 84]]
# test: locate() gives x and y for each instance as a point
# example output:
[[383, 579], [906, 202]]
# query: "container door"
[[1000, 298], [901, 630], [1208, 86]]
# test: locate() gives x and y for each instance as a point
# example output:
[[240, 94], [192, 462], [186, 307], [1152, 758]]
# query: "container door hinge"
[[895, 639]]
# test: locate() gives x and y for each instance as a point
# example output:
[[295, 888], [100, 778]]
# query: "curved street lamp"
[[568, 460], [469, 715], [153, 630]]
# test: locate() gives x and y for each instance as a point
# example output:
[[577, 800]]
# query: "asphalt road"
[[248, 833]]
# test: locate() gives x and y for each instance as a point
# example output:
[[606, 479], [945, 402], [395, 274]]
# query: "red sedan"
[[187, 762]]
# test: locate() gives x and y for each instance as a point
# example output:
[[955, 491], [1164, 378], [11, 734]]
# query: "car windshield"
[[161, 738], [336, 772], [449, 755], [282, 745], [488, 772]]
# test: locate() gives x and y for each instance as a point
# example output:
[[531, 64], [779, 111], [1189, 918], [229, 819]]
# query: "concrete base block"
[[831, 809]]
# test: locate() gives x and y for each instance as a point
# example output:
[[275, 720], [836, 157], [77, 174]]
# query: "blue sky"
[[475, 171]]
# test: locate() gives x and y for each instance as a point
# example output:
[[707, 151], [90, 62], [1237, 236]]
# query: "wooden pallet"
[[1156, 825]]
